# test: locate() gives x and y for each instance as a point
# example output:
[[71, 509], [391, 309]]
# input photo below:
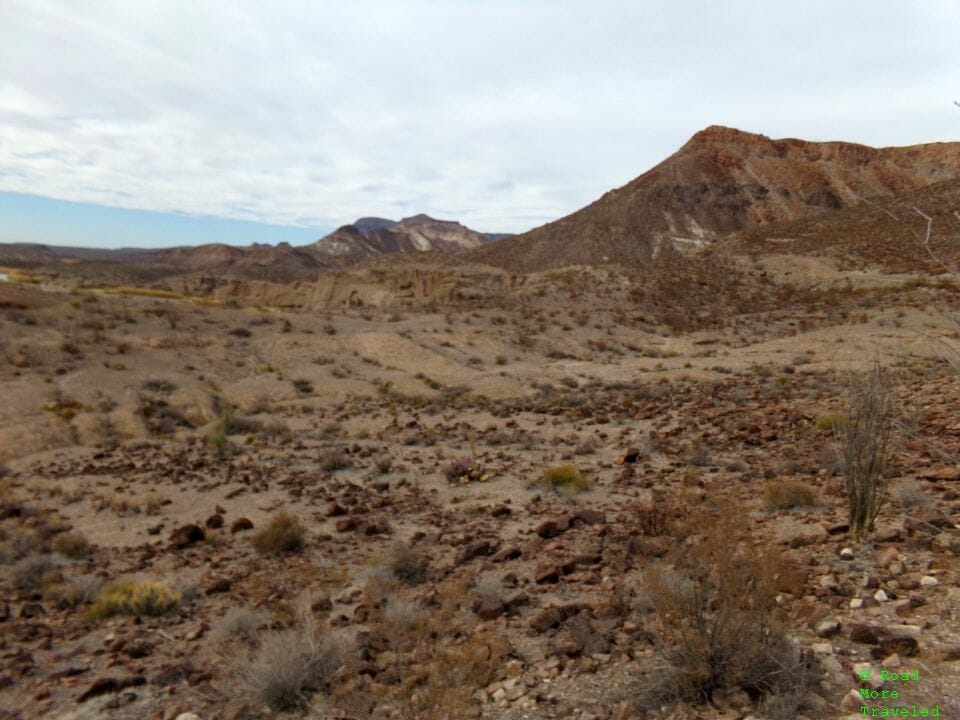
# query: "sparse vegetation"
[[240, 624], [287, 667], [711, 634], [407, 565], [71, 544], [134, 598], [788, 494], [862, 446], [283, 534], [566, 479]]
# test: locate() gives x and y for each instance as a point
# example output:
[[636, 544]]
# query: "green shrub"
[[787, 494], [134, 598], [565, 478], [862, 442], [283, 534]]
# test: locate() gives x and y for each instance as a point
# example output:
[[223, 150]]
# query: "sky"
[[133, 123]]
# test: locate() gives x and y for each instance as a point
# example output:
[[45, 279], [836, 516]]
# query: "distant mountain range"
[[722, 184], [372, 236], [366, 238]]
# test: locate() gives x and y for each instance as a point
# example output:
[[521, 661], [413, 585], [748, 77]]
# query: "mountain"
[[278, 263], [32, 253], [722, 180], [370, 237], [890, 233]]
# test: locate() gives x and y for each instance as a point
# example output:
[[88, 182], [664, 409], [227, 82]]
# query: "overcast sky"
[[500, 114]]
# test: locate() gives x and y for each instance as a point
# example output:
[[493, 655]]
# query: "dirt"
[[125, 418]]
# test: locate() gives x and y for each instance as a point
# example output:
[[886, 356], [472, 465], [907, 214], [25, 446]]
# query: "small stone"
[[865, 634], [185, 536], [880, 596], [543, 620], [928, 581], [241, 524], [551, 528], [847, 554], [488, 607], [827, 628], [856, 603], [215, 521], [906, 646], [626, 710], [188, 716], [346, 524], [219, 586], [892, 661]]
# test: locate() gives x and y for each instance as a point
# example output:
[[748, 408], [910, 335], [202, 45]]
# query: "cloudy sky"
[[240, 121]]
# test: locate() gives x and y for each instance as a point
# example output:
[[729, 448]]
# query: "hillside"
[[885, 232], [370, 237], [722, 180]]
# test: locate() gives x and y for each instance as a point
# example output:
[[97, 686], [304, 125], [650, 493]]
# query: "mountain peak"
[[722, 180]]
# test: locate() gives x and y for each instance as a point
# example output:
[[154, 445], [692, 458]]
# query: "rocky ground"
[[418, 563]]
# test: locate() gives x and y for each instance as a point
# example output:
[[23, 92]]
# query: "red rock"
[[185, 536], [488, 607], [241, 524], [626, 710], [215, 521], [551, 528], [102, 686], [346, 524], [546, 618]]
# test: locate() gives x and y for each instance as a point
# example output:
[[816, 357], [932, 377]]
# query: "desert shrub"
[[652, 519], [240, 624], [218, 441], [699, 455], [134, 598], [232, 424], [407, 565], [716, 622], [830, 421], [76, 591], [910, 495], [288, 667], [283, 534], [586, 447], [862, 443], [163, 387], [333, 460], [405, 616], [787, 494], [302, 386], [33, 572], [565, 478], [71, 544]]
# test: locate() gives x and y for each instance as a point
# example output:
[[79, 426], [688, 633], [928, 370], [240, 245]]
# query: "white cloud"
[[503, 114]]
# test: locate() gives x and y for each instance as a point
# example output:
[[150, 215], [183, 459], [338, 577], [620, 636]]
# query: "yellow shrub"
[[133, 598], [565, 478]]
